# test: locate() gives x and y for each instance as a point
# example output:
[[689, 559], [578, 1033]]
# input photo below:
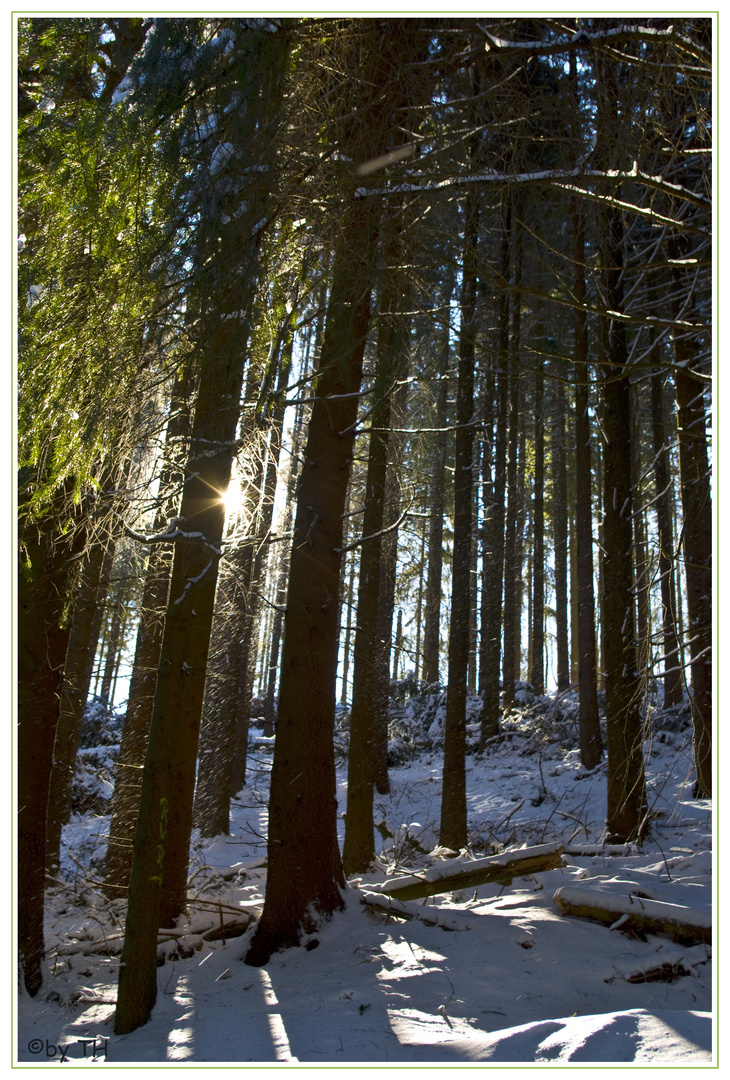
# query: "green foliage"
[[86, 186]]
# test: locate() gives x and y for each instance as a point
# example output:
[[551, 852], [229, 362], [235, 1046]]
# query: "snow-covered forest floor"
[[504, 976]]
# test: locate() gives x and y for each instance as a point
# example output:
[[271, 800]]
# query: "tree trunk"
[[158, 886], [305, 879], [558, 463], [135, 733], [44, 579], [537, 668], [697, 538], [359, 850], [672, 678], [453, 804], [386, 605], [626, 817], [113, 642], [432, 612], [591, 746], [642, 568], [71, 713], [511, 569], [493, 565]]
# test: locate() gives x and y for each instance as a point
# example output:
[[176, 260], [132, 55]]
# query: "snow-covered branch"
[[583, 38]]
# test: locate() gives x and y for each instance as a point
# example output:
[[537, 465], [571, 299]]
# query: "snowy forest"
[[364, 588]]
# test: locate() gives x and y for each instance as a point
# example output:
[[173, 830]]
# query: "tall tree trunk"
[[697, 543], [68, 729], [158, 885], [305, 879], [281, 582], [511, 569], [558, 465], [135, 733], [359, 850], [44, 583], [493, 565], [437, 488], [591, 746], [537, 669], [626, 816], [386, 605], [672, 678], [452, 832], [264, 492], [642, 568]]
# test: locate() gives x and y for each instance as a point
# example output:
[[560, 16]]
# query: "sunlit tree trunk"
[[128, 770], [158, 886]]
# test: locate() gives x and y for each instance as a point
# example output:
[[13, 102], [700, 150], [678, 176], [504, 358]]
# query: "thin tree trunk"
[[697, 542], [642, 569], [113, 642], [437, 487], [453, 826], [398, 647], [537, 669], [591, 746], [493, 566], [359, 849], [386, 605], [672, 678], [511, 570], [558, 463]]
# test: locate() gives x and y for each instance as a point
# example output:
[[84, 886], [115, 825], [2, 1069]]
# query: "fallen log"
[[637, 913], [207, 929], [387, 905], [501, 869]]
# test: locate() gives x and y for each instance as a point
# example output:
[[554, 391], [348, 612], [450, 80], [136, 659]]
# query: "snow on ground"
[[515, 981]]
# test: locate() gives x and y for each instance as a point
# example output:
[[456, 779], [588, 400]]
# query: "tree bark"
[[71, 712], [627, 807], [44, 580], [558, 464], [453, 825], [135, 733], [158, 885], [432, 607], [591, 745], [359, 850], [672, 678], [537, 667], [697, 537], [511, 581], [493, 565], [386, 605]]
